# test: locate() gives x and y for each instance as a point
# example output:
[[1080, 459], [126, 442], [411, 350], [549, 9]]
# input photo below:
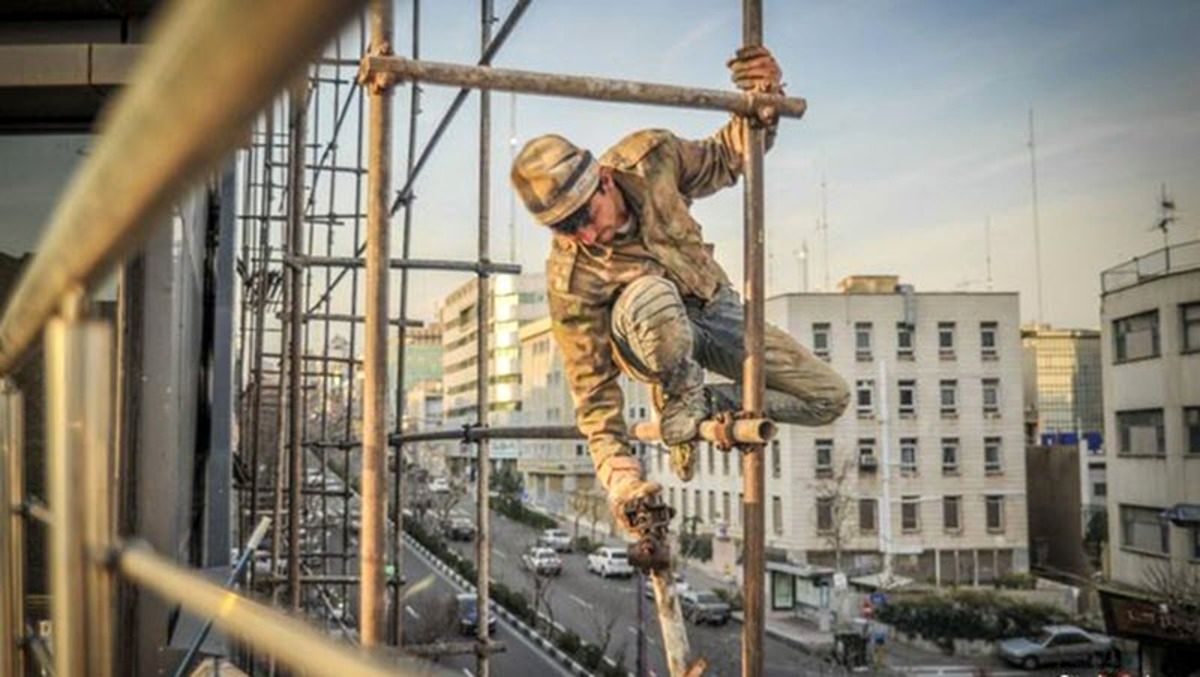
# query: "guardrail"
[[1173, 259]]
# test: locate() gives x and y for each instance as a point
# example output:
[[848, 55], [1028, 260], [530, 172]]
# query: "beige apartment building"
[[515, 300], [925, 472]]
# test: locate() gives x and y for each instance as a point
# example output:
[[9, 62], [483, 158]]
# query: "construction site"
[[204, 463]]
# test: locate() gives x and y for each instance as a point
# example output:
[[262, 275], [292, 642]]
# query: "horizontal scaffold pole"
[[581, 87], [742, 431], [411, 264]]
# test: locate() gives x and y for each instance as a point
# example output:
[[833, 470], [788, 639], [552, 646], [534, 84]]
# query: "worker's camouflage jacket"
[[659, 174]]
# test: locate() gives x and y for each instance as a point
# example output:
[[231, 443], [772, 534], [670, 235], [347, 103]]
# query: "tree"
[[540, 588], [591, 503], [603, 620], [1178, 585], [835, 492]]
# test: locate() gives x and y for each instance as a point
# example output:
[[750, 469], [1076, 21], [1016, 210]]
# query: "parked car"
[[542, 561], [556, 539], [468, 614], [704, 607], [610, 562], [459, 529], [439, 485], [1058, 644], [681, 586]]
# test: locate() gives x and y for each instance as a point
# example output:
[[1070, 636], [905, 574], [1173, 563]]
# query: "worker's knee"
[[650, 321], [834, 399]]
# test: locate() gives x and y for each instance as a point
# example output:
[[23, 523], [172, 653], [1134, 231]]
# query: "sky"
[[918, 126]]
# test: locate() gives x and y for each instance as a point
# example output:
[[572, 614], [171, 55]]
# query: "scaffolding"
[[295, 256]]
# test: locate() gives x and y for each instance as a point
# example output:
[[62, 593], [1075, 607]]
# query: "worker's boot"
[[679, 425]]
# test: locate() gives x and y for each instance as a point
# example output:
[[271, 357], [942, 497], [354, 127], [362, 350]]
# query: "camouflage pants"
[[664, 340]]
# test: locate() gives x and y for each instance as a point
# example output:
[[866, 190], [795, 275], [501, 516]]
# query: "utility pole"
[[1037, 236], [824, 228]]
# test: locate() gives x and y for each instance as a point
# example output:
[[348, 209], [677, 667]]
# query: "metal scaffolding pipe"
[[12, 529], [753, 373], [581, 87], [290, 640], [373, 541], [297, 112], [209, 68], [745, 431], [483, 305], [346, 317], [412, 264]]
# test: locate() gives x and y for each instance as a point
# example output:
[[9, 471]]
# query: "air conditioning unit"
[[867, 462]]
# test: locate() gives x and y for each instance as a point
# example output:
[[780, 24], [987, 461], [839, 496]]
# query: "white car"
[[542, 561], [680, 585], [610, 562], [555, 539], [439, 485]]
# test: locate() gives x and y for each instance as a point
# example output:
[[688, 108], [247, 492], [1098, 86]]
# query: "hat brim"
[[578, 195]]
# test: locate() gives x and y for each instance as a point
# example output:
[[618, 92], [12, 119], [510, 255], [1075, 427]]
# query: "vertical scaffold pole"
[[297, 108], [414, 110], [12, 529], [483, 544], [373, 542], [753, 378], [78, 441]]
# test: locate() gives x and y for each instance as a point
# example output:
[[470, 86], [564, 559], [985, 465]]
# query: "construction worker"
[[633, 286]]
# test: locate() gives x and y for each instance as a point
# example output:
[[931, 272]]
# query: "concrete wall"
[[1052, 492]]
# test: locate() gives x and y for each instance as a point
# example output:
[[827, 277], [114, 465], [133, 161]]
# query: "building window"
[[862, 341], [952, 513], [725, 514], [910, 514], [725, 462], [987, 340], [946, 340], [1191, 425], [824, 515], [908, 456], [1099, 489], [1136, 337], [1145, 529], [995, 513], [776, 461], [866, 515], [579, 450], [992, 460], [712, 459], [697, 498], [683, 502], [991, 397], [950, 455], [908, 398], [777, 515], [866, 454], [1141, 432], [904, 341], [865, 398], [948, 394], [820, 339], [671, 497], [1189, 323], [741, 511], [824, 456], [712, 507]]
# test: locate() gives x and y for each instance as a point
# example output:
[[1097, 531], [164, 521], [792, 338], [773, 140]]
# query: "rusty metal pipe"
[[412, 264], [483, 538], [373, 542], [580, 87], [211, 66], [12, 529], [297, 111]]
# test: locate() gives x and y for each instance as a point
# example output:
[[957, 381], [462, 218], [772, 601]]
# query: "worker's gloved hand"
[[622, 477], [755, 69]]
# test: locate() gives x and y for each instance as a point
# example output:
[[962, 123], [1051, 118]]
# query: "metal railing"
[[1173, 259]]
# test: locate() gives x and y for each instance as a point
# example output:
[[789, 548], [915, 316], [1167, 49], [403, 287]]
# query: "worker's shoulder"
[[633, 148]]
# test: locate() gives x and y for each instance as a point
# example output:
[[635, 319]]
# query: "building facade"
[[515, 300], [1150, 325], [926, 465]]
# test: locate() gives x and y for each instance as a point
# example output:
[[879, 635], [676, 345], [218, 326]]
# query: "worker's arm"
[[582, 332], [708, 165]]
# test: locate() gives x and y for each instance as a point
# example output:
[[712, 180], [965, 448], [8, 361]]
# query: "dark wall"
[[1055, 509]]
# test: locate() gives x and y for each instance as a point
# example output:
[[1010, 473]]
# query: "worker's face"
[[607, 209]]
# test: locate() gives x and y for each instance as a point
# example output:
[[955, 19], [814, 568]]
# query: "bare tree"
[[1177, 585], [540, 587], [835, 493], [603, 624], [591, 503], [444, 502], [432, 617]]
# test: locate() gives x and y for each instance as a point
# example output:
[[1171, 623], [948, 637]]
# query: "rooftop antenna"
[[1166, 218], [823, 226], [987, 249], [801, 255], [1037, 237]]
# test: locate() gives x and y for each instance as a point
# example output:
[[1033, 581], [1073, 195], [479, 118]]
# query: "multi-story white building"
[[558, 474], [926, 465], [515, 299], [1150, 326], [1150, 321]]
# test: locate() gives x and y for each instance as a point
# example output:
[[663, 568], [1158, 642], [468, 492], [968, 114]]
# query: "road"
[[593, 607]]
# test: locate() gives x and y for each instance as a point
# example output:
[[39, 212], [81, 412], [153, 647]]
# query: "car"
[[556, 539], [610, 562], [467, 612], [702, 606], [459, 529], [1058, 644], [439, 485], [681, 586], [542, 561]]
